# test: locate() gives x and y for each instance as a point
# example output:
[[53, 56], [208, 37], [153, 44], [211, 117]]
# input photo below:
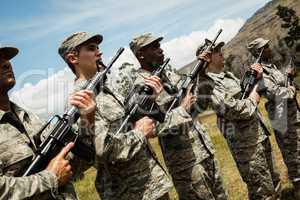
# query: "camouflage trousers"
[[258, 172], [66, 192], [200, 182], [289, 144]]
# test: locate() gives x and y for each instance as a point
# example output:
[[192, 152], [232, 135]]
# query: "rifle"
[[133, 109], [290, 79], [199, 67], [62, 133], [248, 82]]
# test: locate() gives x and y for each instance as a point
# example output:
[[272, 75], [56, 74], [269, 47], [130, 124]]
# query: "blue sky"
[[38, 27]]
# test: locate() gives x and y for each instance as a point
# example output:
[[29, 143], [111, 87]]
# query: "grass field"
[[236, 188]]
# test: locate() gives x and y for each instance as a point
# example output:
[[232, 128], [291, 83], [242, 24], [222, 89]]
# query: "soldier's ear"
[[139, 55], [72, 58]]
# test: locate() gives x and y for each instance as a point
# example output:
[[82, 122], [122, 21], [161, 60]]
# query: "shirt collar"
[[21, 113]]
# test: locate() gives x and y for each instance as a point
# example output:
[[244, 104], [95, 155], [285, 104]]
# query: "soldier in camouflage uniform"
[[187, 147], [125, 166], [18, 143], [282, 109], [237, 121]]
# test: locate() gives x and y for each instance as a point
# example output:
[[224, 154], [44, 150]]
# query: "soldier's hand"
[[188, 100], [205, 55], [84, 100], [291, 72], [155, 83], [145, 125], [259, 70], [60, 166], [291, 87], [254, 95]]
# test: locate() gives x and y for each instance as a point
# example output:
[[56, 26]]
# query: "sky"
[[38, 27]]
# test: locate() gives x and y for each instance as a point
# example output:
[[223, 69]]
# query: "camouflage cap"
[[8, 52], [257, 44], [143, 40], [76, 39], [216, 48]]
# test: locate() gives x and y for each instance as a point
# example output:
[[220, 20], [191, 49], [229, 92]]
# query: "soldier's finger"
[[64, 152]]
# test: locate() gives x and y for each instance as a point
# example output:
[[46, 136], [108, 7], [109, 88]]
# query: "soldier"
[[125, 167], [18, 144], [282, 109], [240, 126], [187, 147]]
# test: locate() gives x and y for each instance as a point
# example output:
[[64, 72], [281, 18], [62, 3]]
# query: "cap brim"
[[263, 43], [219, 45], [154, 39], [97, 38], [9, 52]]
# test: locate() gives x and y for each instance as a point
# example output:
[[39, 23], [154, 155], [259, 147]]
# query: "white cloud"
[[182, 50], [48, 96]]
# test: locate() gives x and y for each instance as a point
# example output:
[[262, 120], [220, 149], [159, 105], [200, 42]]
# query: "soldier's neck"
[[4, 102], [214, 69], [85, 75], [146, 66]]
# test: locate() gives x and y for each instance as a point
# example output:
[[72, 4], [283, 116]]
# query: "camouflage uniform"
[[16, 152], [248, 143], [282, 110], [187, 147], [125, 166]]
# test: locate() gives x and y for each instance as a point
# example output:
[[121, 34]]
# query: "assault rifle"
[[61, 134], [199, 67], [140, 102]]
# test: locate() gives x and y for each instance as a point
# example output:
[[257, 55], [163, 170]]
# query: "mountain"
[[266, 24]]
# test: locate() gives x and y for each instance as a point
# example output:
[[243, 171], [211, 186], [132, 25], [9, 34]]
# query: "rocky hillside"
[[264, 23]]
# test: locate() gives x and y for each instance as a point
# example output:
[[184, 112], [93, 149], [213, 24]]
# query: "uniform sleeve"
[[231, 108], [121, 147], [25, 187], [272, 90], [177, 117]]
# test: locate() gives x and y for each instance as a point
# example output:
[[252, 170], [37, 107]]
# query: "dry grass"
[[233, 182]]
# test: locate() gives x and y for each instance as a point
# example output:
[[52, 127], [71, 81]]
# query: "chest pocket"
[[15, 153], [109, 108]]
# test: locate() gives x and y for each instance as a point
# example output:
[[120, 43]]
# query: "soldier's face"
[[89, 54], [7, 78], [153, 54], [267, 54], [217, 59]]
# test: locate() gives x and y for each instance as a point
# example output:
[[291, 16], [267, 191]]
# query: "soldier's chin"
[[10, 83]]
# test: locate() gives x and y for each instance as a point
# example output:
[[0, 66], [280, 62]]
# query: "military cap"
[[256, 44], [8, 52], [143, 40], [216, 48], [76, 39]]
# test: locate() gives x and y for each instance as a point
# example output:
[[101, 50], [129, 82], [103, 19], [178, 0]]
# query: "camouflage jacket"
[[125, 166], [236, 118], [281, 105], [16, 154], [186, 142]]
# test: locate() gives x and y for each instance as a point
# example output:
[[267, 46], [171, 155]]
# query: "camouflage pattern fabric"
[[186, 145], [282, 110], [16, 154], [125, 166], [244, 135]]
